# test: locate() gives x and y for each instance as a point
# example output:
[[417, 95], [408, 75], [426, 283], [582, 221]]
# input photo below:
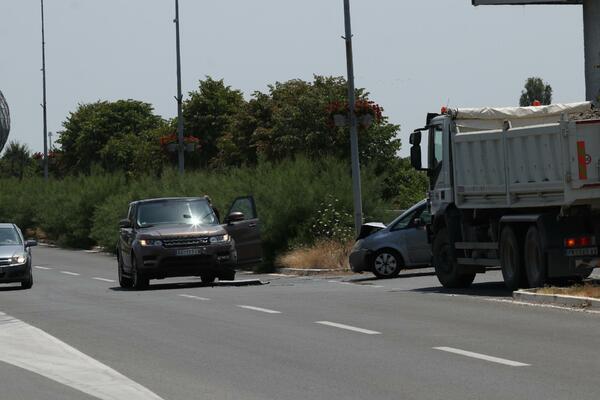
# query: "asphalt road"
[[349, 337]]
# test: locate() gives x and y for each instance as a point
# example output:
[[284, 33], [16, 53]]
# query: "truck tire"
[[446, 267], [536, 265], [511, 260]]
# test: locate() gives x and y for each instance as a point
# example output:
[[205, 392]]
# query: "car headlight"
[[19, 258], [219, 239], [150, 242]]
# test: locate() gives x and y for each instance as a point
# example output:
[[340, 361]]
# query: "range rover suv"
[[172, 237]]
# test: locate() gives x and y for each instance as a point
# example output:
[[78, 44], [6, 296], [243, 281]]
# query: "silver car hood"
[[10, 250]]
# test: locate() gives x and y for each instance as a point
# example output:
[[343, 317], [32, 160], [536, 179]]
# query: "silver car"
[[15, 256], [385, 250]]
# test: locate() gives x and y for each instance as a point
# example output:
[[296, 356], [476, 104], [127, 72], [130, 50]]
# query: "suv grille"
[[186, 242]]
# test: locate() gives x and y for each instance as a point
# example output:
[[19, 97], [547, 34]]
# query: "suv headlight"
[[219, 239], [150, 242], [19, 258]]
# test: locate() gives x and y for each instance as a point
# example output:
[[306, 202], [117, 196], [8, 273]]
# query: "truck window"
[[438, 152]]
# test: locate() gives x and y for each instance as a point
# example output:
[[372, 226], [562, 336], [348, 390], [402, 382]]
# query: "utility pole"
[[179, 97], [356, 185], [44, 96]]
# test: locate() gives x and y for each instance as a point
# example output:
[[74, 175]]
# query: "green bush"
[[290, 196]]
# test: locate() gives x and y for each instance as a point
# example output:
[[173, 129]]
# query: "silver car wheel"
[[385, 264]]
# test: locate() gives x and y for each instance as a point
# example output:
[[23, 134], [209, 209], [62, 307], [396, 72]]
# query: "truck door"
[[439, 165], [246, 231]]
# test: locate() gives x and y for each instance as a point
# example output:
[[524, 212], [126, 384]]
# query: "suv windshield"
[[188, 212], [9, 236]]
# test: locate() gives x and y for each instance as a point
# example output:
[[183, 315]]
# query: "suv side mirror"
[[124, 223], [234, 217], [31, 243]]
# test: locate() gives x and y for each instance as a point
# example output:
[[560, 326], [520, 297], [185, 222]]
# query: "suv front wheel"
[[139, 281], [124, 281]]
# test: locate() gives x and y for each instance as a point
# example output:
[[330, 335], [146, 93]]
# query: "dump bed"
[[547, 164]]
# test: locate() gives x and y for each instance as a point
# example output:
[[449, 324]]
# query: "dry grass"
[[587, 290], [323, 255]]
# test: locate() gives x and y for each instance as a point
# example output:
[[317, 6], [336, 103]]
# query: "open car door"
[[242, 223]]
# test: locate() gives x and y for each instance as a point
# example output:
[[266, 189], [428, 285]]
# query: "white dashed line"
[[189, 296], [104, 280], [44, 268], [282, 275], [69, 273], [482, 357], [341, 283], [348, 327], [265, 310]]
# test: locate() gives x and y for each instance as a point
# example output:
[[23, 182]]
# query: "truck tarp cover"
[[487, 118]]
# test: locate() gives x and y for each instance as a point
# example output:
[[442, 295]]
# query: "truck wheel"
[[446, 267], [386, 263], [535, 259], [124, 281], [511, 260], [139, 281]]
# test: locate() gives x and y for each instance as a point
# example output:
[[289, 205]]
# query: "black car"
[[15, 256], [177, 236]]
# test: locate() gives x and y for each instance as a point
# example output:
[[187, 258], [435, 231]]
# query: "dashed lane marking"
[[40, 267], [104, 279], [69, 273], [348, 327], [483, 357], [189, 296], [265, 310]]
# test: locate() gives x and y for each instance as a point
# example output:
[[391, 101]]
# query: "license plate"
[[588, 251], [188, 252]]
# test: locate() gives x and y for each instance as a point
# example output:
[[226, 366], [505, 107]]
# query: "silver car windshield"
[[407, 216], [9, 237], [194, 212]]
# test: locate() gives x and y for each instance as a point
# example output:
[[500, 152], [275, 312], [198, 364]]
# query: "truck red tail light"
[[582, 241]]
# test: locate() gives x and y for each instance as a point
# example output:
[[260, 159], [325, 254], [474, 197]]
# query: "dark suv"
[[178, 236]]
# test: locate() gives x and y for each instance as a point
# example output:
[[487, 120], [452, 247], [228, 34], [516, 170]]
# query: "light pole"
[[356, 186], [44, 96], [179, 97]]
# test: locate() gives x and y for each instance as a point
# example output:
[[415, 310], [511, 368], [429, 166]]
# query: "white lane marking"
[[69, 273], [265, 310], [189, 296], [348, 327], [104, 279], [39, 267], [282, 275], [375, 286], [341, 282], [30, 348], [483, 357]]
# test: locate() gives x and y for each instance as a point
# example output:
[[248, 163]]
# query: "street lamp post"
[[44, 96], [179, 97], [356, 185]]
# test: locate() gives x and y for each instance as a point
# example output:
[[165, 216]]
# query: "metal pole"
[[356, 186], [179, 95], [591, 37], [44, 96]]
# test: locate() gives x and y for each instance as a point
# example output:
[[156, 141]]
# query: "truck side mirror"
[[415, 156], [415, 138]]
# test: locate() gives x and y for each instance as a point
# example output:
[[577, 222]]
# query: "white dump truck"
[[513, 187]]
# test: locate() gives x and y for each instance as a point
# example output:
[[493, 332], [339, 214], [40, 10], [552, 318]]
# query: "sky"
[[412, 56]]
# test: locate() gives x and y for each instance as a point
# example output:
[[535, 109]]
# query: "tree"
[[98, 133], [16, 160], [535, 89], [291, 119], [207, 115]]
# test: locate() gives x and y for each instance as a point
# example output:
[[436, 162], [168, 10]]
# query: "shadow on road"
[[401, 276], [484, 289], [194, 284]]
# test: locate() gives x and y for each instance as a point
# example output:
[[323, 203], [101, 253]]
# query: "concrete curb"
[[529, 296], [307, 271]]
